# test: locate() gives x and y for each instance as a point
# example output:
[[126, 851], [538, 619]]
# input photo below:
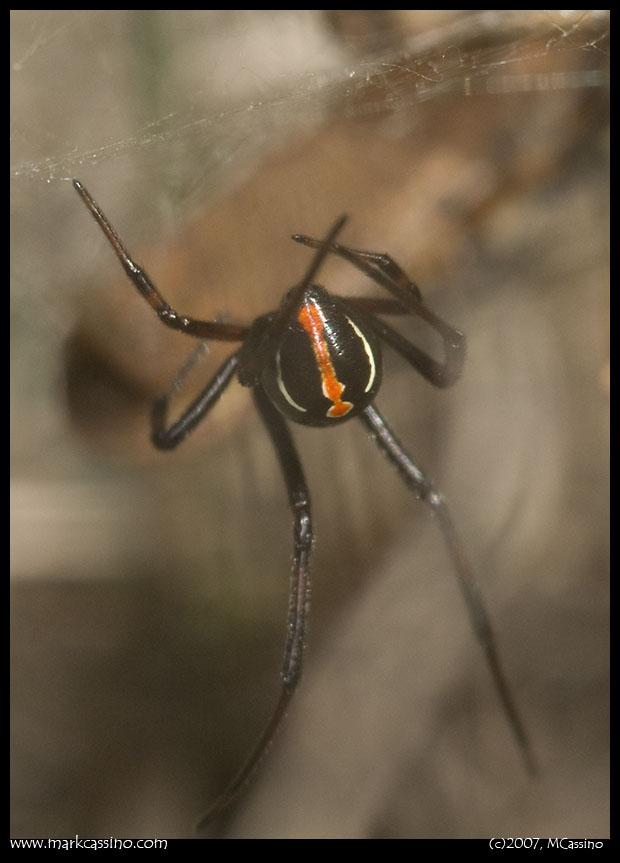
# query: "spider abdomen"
[[327, 365]]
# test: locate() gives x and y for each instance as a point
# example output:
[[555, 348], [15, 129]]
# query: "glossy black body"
[[356, 361], [317, 360]]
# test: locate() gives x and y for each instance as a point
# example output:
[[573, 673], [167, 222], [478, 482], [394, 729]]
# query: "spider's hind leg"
[[423, 489], [299, 596]]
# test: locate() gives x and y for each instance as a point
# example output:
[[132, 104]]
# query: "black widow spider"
[[317, 360]]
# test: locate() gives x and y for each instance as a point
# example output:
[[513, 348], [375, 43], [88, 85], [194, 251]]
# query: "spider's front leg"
[[379, 266], [299, 595], [167, 315], [383, 270]]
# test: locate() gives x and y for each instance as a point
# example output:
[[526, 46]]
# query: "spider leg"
[[383, 270], [201, 329], [438, 374], [170, 437], [299, 501], [265, 337], [299, 596], [379, 262], [423, 489]]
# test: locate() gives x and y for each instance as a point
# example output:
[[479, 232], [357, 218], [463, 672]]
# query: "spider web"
[[166, 110], [162, 113], [247, 78]]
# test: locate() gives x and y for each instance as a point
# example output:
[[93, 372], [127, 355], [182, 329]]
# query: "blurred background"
[[149, 590]]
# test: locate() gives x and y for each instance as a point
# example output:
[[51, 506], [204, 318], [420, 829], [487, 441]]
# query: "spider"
[[316, 360]]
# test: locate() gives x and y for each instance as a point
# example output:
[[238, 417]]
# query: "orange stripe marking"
[[312, 321]]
